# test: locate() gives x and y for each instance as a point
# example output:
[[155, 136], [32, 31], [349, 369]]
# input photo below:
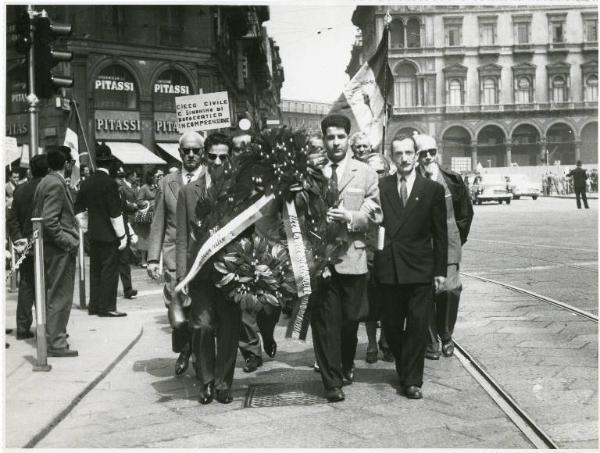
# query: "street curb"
[[592, 197], [56, 420]]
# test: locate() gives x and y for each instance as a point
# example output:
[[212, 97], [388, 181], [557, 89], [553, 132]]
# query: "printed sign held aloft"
[[202, 112]]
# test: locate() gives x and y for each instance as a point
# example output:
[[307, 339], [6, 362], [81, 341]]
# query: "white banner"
[[297, 250], [202, 112], [72, 141], [12, 150]]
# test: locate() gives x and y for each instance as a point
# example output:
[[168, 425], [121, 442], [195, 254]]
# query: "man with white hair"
[[163, 233], [361, 146], [459, 215]]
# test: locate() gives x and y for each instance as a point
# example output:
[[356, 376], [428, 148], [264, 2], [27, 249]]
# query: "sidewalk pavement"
[[590, 196]]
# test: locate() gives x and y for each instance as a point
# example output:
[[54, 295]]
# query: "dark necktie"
[[333, 181], [403, 191]]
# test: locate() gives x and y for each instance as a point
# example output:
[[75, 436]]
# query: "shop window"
[[591, 88], [114, 89], [167, 87]]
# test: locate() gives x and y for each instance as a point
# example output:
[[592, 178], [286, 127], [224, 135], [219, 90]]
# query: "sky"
[[314, 43]]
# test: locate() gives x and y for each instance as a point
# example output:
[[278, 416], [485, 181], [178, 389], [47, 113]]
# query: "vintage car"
[[490, 188], [521, 186]]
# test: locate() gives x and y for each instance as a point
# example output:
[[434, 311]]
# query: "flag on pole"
[[364, 98], [72, 142]]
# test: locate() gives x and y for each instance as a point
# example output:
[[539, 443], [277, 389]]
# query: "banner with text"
[[203, 112]]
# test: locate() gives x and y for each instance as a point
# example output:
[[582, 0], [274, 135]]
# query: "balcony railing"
[[454, 50], [486, 108], [523, 48], [489, 50], [558, 47], [591, 46]]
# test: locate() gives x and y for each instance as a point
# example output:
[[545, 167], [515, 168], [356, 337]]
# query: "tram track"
[[520, 418], [563, 305]]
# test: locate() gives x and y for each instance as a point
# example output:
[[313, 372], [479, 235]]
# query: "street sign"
[[63, 103], [203, 112]]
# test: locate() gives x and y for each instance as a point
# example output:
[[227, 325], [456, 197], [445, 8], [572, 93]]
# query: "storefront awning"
[[134, 153], [172, 149]]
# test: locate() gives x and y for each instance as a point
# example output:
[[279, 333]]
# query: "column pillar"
[[473, 156], [508, 158], [577, 150]]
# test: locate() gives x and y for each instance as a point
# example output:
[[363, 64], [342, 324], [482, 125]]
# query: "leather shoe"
[[270, 347], [252, 363], [448, 348], [92, 312], [112, 314], [348, 376], [131, 294], [182, 362], [413, 392], [432, 354], [387, 356], [371, 357], [334, 395], [63, 352], [24, 334], [207, 393], [224, 396]]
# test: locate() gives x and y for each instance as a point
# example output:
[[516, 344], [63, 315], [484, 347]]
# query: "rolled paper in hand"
[[380, 237]]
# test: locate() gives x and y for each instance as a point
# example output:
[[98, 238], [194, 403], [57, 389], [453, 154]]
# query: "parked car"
[[521, 186], [490, 188]]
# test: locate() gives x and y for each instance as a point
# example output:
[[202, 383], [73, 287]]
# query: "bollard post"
[[82, 302], [13, 261], [41, 363]]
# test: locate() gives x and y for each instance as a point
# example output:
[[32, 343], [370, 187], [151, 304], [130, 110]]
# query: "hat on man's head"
[[65, 150], [103, 153], [335, 120], [424, 142]]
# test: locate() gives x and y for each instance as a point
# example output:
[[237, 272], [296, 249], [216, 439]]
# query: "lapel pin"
[[416, 198]]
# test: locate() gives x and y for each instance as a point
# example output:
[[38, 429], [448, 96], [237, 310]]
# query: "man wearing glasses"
[[163, 234], [459, 215], [211, 316]]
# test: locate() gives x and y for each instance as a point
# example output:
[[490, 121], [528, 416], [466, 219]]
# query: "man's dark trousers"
[[104, 276], [580, 192], [125, 269], [60, 282], [406, 314], [26, 297], [337, 307], [253, 323]]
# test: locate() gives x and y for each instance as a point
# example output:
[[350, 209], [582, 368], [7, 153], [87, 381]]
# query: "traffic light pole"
[[31, 97]]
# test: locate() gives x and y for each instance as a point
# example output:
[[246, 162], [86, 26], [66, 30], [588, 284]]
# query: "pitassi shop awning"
[[172, 149], [134, 153]]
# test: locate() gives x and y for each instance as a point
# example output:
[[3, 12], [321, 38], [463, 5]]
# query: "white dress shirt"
[[195, 174], [410, 182], [341, 167]]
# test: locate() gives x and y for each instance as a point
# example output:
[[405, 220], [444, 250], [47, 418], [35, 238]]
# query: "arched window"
[[591, 88], [167, 87], [489, 91], [397, 33], [523, 91], [114, 89], [455, 92], [559, 89], [413, 33], [405, 89]]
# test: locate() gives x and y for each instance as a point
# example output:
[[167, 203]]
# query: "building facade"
[[496, 86], [129, 64], [305, 115]]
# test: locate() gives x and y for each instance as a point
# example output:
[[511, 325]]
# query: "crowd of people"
[[406, 219]]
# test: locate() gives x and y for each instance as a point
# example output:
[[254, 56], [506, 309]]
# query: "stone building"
[[303, 114], [131, 61], [494, 85]]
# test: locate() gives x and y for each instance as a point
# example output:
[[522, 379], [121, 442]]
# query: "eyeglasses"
[[194, 150], [213, 156], [432, 152]]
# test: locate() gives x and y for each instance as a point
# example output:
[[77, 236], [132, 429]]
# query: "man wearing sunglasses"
[[459, 215], [214, 321], [163, 233]]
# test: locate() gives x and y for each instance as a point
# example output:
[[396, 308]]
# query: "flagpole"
[[91, 160], [386, 29]]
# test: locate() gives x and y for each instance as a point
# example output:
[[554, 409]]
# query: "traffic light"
[[23, 29], [46, 32]]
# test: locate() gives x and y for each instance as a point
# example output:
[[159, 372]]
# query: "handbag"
[[143, 216]]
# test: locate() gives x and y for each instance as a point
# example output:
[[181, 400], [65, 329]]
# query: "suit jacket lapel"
[[349, 174], [415, 194], [391, 192]]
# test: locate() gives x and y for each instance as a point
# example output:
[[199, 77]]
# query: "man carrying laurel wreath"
[[212, 317], [341, 303]]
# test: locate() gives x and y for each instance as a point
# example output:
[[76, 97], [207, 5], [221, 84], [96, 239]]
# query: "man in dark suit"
[[412, 263], [163, 234], [459, 215], [20, 230], [99, 195], [128, 208], [579, 177], [211, 315], [342, 303], [52, 202]]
